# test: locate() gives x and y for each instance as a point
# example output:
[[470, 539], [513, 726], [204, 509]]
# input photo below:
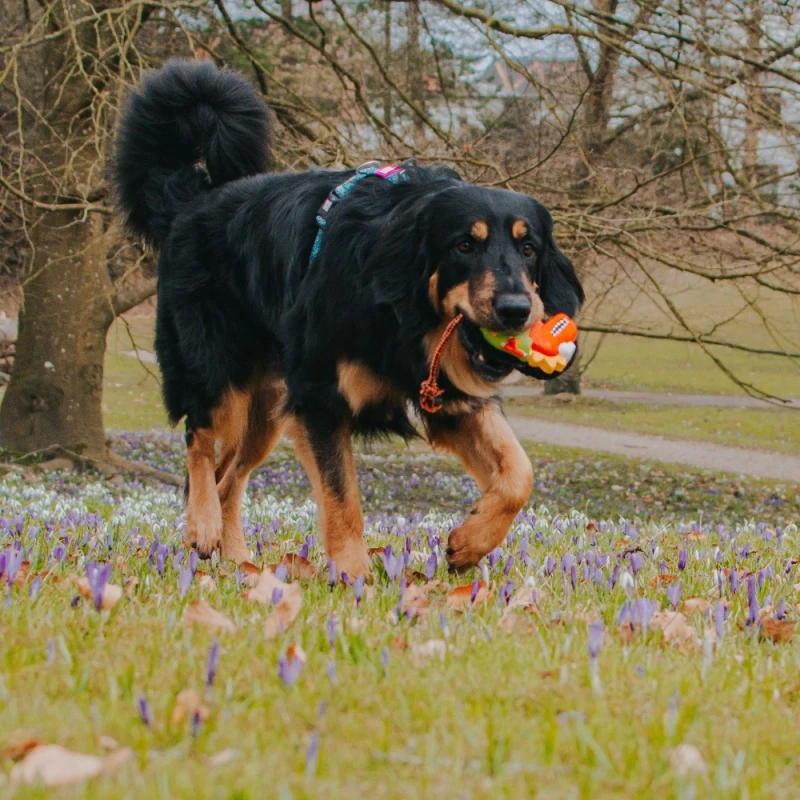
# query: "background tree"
[[663, 135]]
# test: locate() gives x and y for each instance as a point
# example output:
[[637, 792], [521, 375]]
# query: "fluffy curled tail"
[[189, 128]]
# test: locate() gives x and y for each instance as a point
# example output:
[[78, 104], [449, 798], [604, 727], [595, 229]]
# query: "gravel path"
[[754, 463]]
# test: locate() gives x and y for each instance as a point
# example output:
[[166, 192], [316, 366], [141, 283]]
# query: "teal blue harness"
[[390, 172]]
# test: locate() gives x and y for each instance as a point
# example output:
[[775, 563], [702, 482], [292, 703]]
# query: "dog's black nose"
[[512, 310]]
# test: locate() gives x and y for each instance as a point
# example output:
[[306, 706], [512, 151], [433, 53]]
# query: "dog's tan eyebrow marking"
[[519, 229], [480, 230]]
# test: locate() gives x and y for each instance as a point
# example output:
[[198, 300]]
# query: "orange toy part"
[[548, 335]]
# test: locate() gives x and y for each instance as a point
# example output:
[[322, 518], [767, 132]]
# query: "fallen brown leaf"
[[285, 610], [662, 579], [187, 704], [201, 613], [130, 585], [694, 536], [433, 648], [674, 628], [22, 573], [208, 583], [692, 604], [53, 765], [777, 630], [111, 593], [376, 551], [297, 567], [461, 597], [223, 757], [20, 745], [398, 643], [516, 623], [415, 601], [250, 574]]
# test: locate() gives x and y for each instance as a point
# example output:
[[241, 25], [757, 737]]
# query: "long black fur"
[[237, 295]]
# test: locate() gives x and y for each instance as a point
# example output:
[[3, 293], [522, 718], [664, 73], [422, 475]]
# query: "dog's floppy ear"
[[398, 263], [559, 287]]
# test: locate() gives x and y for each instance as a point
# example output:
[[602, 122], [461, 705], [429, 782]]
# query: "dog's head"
[[486, 253]]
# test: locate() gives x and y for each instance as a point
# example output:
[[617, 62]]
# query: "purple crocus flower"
[[333, 575], [197, 723], [549, 565], [312, 754], [719, 619], [674, 595], [184, 580], [330, 630], [506, 591], [432, 564], [289, 669], [281, 572], [330, 671], [595, 639], [642, 611], [14, 559], [277, 595], [36, 585], [614, 577], [493, 557], [98, 575], [780, 612], [473, 593], [385, 660], [358, 589], [567, 560], [734, 581], [161, 558], [392, 564], [213, 664], [508, 565], [194, 561], [573, 576], [636, 563], [144, 710]]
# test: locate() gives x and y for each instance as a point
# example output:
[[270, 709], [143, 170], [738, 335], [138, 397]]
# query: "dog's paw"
[[354, 561], [204, 535], [462, 553]]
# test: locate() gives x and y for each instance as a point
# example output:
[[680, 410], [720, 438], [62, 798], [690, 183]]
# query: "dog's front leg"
[[487, 447], [324, 451]]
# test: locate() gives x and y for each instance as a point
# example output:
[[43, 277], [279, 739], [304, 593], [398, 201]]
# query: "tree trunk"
[[416, 89], [55, 393]]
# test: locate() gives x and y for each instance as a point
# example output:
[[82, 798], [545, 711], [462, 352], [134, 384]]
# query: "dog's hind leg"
[[487, 447], [264, 425], [203, 509], [327, 457]]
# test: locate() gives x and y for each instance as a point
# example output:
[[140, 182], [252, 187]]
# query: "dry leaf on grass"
[[222, 758], [297, 567], [433, 648], [663, 579], [111, 593], [200, 612], [415, 601], [694, 536], [285, 598], [516, 623], [250, 574], [208, 583], [686, 761], [674, 628], [22, 573], [693, 604], [776, 630], [130, 585], [53, 765], [460, 598], [20, 745], [187, 704], [376, 551]]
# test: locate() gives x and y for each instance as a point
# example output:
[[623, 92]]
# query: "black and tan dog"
[[253, 338]]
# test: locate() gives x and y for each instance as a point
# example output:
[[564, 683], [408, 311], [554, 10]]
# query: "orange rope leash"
[[429, 391]]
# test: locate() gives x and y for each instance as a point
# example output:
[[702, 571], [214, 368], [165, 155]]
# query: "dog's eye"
[[527, 250], [465, 247]]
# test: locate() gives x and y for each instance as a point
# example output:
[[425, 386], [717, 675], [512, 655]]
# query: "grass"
[[512, 714], [679, 367], [761, 429]]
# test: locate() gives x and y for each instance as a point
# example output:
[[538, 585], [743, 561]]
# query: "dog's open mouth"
[[484, 359]]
